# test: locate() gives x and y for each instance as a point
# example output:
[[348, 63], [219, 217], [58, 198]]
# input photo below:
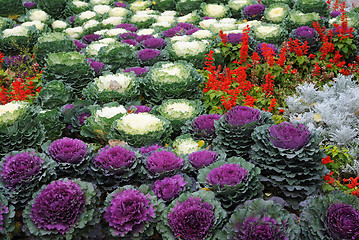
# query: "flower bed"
[[179, 119]]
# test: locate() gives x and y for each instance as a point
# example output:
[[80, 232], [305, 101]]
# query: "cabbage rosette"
[[12, 38], [141, 129], [215, 10], [74, 215], [54, 94], [262, 219], [188, 6], [297, 19], [234, 128], [269, 33], [308, 6], [276, 13], [71, 68], [178, 111], [98, 126], [171, 80], [193, 216], [19, 127], [114, 166], [119, 87], [50, 119], [233, 181], [132, 212], [22, 173], [237, 7], [332, 216], [186, 144], [280, 150]]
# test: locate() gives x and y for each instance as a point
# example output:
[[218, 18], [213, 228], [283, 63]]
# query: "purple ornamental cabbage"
[[176, 31], [159, 162], [97, 66], [82, 118], [4, 210], [289, 136], [124, 25], [72, 19], [143, 38], [305, 32], [67, 150], [342, 221], [207, 18], [79, 45], [192, 30], [227, 174], [205, 123], [20, 168], [256, 228], [169, 187], [191, 219], [150, 149], [57, 206], [148, 54], [110, 158], [234, 38], [30, 5], [16, 61], [185, 26], [202, 158], [120, 4], [137, 70], [91, 38], [335, 14], [156, 43], [130, 35], [130, 42], [68, 107], [241, 115], [269, 45], [254, 10], [140, 109], [130, 209]]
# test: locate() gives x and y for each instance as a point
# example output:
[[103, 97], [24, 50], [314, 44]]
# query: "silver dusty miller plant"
[[333, 111]]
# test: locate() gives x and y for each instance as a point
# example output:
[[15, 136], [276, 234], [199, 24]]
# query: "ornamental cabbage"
[[169, 187]]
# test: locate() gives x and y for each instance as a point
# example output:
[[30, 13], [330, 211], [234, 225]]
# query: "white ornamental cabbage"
[[119, 82], [206, 24], [101, 32], [93, 49], [80, 4], [191, 48], [140, 5], [224, 27], [184, 38], [11, 111], [228, 21], [113, 21], [107, 41], [58, 24], [16, 31], [97, 2], [184, 145], [171, 72], [87, 15], [161, 24], [109, 112], [267, 31], [140, 18], [38, 15], [139, 124], [202, 34], [169, 13], [118, 12], [179, 110], [146, 31], [75, 32], [90, 24], [239, 4], [215, 10], [168, 19], [39, 25], [101, 9], [115, 32], [190, 17]]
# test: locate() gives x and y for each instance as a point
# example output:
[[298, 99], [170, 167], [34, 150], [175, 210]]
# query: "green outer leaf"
[[313, 218], [8, 221], [260, 208], [54, 94]]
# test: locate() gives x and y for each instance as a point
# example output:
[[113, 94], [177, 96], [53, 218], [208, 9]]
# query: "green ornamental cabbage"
[[98, 126], [171, 80], [330, 217], [19, 127], [54, 94], [297, 19], [308, 6], [261, 219], [269, 33], [290, 160], [178, 111], [51, 43], [120, 87], [233, 181], [11, 7], [55, 8], [276, 13], [187, 6], [71, 68], [141, 129], [233, 130], [14, 40], [163, 5], [290, 3], [50, 119]]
